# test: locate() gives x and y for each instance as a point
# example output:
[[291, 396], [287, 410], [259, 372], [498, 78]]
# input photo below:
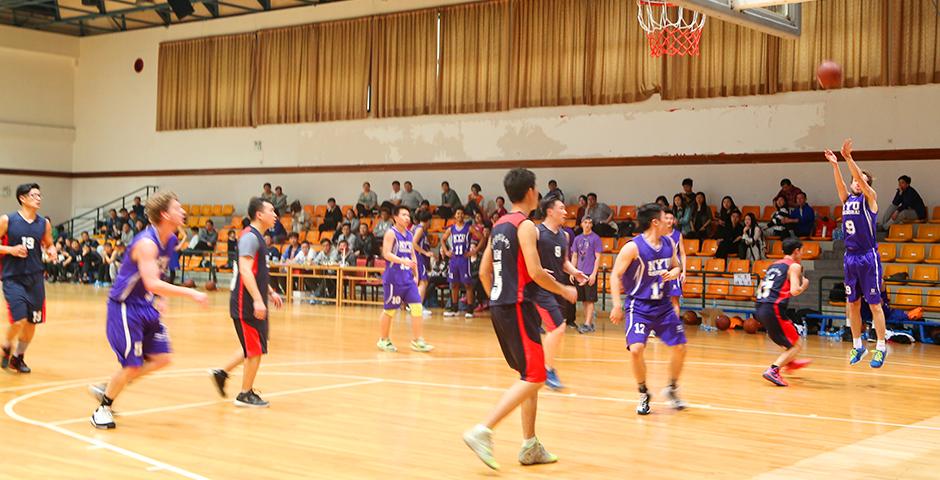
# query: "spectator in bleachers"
[[138, 208], [780, 224], [139, 226], [352, 220], [789, 192], [368, 201], [90, 264], [208, 237], [394, 198], [86, 239], [333, 216], [582, 207], [113, 224], [122, 215], [382, 224], [132, 218], [411, 198], [272, 255], [553, 190], [725, 211], [662, 201], [368, 245], [304, 255], [585, 255], [701, 219], [346, 234], [474, 200], [174, 263], [449, 201], [802, 217], [326, 256], [280, 200], [277, 232], [687, 193], [601, 215], [231, 244], [345, 255], [500, 209], [300, 219], [193, 238], [107, 270], [730, 236], [752, 240], [246, 222], [683, 214], [127, 235], [425, 206], [907, 206], [292, 248], [267, 195], [70, 264], [437, 279]]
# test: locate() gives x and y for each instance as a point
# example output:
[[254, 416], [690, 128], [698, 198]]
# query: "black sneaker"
[[5, 361], [250, 399], [17, 363], [218, 379]]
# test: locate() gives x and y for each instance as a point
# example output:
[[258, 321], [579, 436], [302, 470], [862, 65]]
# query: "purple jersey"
[[128, 288], [858, 223], [644, 276], [460, 239], [676, 237], [402, 248]]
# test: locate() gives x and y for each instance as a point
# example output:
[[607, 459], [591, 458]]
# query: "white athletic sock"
[[857, 342], [529, 442], [480, 428], [21, 347], [881, 346]]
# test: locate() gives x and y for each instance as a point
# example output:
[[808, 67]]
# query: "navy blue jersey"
[[251, 244], [510, 276], [553, 249], [29, 234], [775, 288]]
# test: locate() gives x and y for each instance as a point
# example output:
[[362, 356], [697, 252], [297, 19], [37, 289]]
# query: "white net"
[[670, 29]]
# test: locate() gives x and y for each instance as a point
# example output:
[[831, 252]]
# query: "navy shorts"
[[26, 298]]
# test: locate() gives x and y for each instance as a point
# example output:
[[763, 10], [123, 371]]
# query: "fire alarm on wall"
[[138, 65]]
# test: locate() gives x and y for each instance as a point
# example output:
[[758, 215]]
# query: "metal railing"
[[95, 215]]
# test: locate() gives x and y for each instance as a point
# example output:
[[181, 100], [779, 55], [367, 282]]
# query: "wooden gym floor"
[[342, 409]]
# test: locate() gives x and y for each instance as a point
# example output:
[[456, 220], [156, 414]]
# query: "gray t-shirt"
[[450, 199], [248, 246], [411, 199], [368, 200], [600, 213]]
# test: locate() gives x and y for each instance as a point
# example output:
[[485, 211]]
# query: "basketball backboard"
[[775, 17]]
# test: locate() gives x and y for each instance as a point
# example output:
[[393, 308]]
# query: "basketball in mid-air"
[[829, 74]]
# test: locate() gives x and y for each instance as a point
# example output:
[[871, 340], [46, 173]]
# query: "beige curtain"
[[915, 42], [286, 75], [342, 72], [851, 32], [404, 64], [474, 73], [548, 52], [205, 83], [733, 61], [619, 68]]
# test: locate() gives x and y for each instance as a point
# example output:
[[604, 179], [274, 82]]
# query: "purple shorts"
[[643, 316], [459, 271], [863, 275], [398, 293], [423, 267], [135, 332]]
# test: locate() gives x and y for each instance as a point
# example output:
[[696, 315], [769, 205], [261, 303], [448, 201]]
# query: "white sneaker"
[[468, 315], [102, 418], [427, 313], [450, 313], [419, 345], [536, 455]]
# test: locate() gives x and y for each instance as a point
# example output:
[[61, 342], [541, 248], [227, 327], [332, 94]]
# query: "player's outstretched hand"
[[19, 251], [276, 300], [847, 148], [570, 294], [833, 159], [199, 297], [616, 315], [580, 277], [261, 310]]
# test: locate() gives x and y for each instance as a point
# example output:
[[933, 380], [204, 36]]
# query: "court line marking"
[[154, 464]]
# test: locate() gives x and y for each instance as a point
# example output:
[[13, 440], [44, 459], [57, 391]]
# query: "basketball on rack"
[[829, 74], [722, 322], [189, 283], [210, 286], [691, 318], [751, 325]]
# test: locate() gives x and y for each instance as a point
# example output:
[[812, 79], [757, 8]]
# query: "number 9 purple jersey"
[[644, 277], [858, 223]]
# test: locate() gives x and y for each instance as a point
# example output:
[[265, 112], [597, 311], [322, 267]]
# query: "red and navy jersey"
[[250, 244], [29, 234], [775, 288], [510, 276]]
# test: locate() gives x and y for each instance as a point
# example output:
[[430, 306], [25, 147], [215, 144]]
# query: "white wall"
[[56, 195]]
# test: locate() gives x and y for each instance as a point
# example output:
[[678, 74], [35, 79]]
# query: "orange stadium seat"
[[934, 257], [887, 252], [709, 247], [693, 264], [908, 298], [900, 233], [893, 269], [927, 234], [911, 254], [925, 273]]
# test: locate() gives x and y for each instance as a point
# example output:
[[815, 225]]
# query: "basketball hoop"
[[670, 29]]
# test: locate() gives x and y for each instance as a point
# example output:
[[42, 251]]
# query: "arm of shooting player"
[[837, 176], [145, 255], [870, 196], [528, 238], [624, 258]]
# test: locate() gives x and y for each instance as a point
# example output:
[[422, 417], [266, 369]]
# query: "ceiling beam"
[[265, 4], [124, 11], [213, 8]]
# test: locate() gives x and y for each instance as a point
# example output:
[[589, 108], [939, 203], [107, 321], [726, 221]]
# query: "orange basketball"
[[210, 286], [691, 318], [751, 325], [722, 322], [189, 283], [829, 74]]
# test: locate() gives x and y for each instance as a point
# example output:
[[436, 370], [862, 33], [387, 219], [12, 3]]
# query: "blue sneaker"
[[878, 358], [856, 355], [552, 380]]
